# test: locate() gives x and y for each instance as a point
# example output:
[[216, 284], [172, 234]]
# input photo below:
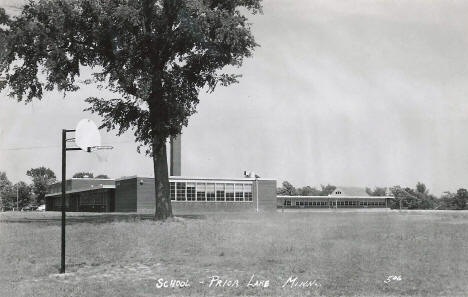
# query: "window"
[[201, 192], [172, 190], [301, 203], [180, 191], [220, 190], [287, 202], [297, 203], [92, 199], [248, 192], [239, 192], [230, 192], [190, 191], [346, 203], [210, 192]]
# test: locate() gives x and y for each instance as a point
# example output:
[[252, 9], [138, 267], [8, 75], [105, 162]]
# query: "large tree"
[[5, 189], [287, 189], [461, 198], [154, 55], [308, 191], [16, 196], [42, 178], [23, 193]]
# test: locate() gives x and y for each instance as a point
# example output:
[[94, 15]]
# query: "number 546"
[[392, 278]]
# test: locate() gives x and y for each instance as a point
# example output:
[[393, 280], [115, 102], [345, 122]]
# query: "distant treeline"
[[288, 189], [23, 194], [403, 197]]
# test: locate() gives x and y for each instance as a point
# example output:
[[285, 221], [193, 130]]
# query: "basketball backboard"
[[87, 135]]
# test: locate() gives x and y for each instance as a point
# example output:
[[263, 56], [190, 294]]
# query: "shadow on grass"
[[90, 218]]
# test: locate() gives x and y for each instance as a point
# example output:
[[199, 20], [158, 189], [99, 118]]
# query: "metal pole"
[[64, 166], [17, 195], [256, 190]]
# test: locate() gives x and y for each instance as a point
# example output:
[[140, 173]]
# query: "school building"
[[196, 194], [342, 197], [188, 195]]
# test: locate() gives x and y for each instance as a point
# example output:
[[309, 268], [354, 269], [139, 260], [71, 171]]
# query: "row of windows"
[[182, 191], [333, 203], [85, 199], [310, 203], [92, 199], [370, 203]]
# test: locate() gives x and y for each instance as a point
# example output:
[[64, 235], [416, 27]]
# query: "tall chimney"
[[176, 163]]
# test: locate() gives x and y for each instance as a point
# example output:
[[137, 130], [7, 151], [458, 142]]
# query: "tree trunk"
[[161, 180]]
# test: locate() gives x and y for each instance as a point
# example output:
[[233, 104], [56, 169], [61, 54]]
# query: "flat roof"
[[199, 178], [80, 178], [90, 188]]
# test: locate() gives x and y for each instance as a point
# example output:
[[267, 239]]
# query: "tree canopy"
[[461, 198], [378, 191], [41, 177], [102, 176], [149, 53], [83, 175], [5, 189], [24, 192], [289, 190], [155, 56], [418, 198]]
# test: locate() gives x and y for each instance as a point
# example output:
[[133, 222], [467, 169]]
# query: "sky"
[[351, 93]]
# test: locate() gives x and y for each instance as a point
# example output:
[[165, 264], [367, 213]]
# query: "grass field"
[[336, 253]]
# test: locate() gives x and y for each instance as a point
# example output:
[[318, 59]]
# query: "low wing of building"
[[341, 197]]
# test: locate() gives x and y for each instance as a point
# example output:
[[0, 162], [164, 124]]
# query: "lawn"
[[332, 253]]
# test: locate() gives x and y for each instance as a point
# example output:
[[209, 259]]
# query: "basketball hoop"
[[87, 135], [88, 139]]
